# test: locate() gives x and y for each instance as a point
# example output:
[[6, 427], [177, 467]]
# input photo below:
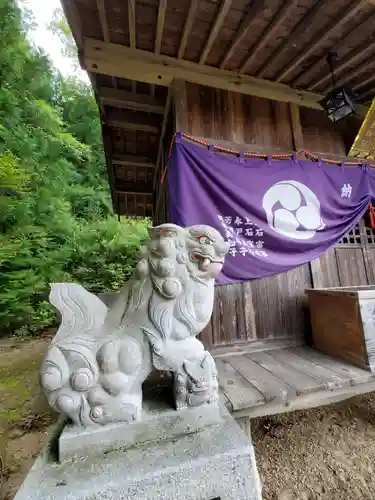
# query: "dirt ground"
[[328, 453]]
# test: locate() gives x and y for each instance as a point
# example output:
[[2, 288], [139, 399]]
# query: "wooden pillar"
[[296, 127], [180, 105], [106, 133]]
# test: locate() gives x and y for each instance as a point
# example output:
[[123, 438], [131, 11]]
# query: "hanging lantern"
[[338, 103]]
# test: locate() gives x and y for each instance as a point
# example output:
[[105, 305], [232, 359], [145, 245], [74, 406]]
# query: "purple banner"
[[276, 214]]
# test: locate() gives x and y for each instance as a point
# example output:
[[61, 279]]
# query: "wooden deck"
[[262, 383]]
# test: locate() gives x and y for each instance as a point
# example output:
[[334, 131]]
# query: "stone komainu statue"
[[94, 368]]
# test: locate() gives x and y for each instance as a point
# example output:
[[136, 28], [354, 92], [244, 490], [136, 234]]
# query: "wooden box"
[[343, 323]]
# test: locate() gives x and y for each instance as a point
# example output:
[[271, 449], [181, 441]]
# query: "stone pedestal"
[[216, 462], [159, 422]]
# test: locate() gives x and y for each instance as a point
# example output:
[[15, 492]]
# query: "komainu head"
[[201, 249]]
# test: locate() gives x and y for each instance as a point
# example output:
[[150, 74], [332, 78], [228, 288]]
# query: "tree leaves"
[[60, 226]]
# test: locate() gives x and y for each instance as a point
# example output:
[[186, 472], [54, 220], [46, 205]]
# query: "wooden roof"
[[133, 50]]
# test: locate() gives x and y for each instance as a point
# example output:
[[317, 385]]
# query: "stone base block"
[[214, 463], [159, 421]]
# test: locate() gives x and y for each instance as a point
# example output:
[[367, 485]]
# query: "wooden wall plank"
[[228, 321], [324, 270], [266, 297], [249, 311], [274, 307], [371, 263], [319, 133], [351, 266]]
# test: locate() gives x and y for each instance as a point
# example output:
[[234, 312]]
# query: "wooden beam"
[[163, 129], [143, 66], [268, 33], [106, 133], [136, 162], [125, 158], [132, 23], [103, 19], [134, 192], [293, 36], [125, 125], [160, 25], [350, 59], [127, 100], [321, 37], [221, 15], [242, 31], [187, 28]]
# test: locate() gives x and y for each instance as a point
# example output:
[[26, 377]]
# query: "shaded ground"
[[324, 454], [25, 419], [327, 453]]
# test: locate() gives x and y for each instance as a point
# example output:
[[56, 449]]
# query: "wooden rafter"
[[131, 17], [143, 66], [100, 4], [321, 37], [162, 9], [242, 31], [103, 19], [132, 35], [71, 13], [367, 96], [162, 134], [350, 75], [187, 28], [221, 15], [293, 37], [268, 33], [128, 100], [315, 69], [160, 25], [354, 55], [363, 83]]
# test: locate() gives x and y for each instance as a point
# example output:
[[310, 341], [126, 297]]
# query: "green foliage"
[[56, 217], [59, 26]]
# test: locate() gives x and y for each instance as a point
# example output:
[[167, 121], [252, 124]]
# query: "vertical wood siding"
[[274, 307]]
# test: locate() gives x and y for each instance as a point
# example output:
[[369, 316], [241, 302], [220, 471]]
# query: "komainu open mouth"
[[205, 259]]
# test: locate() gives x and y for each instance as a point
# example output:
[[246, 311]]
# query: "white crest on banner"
[[292, 210]]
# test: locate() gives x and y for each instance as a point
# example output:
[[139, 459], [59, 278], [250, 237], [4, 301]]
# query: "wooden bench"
[[259, 383]]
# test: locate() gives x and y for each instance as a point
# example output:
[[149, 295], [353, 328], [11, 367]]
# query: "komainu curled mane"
[[94, 369]]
